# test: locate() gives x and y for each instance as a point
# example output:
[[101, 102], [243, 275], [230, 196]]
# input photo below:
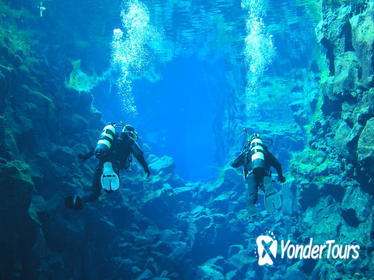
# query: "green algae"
[[18, 39], [17, 169], [313, 9], [82, 82]]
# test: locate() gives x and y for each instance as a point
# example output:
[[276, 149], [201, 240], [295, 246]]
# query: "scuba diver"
[[256, 161], [114, 151]]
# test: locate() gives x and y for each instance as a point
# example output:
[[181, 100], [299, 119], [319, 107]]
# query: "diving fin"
[[273, 202], [109, 178], [74, 202]]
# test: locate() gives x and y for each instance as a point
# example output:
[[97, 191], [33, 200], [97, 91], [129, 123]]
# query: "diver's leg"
[[272, 198], [96, 186], [252, 194]]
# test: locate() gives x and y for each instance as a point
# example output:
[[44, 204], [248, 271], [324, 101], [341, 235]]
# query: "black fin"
[[74, 202]]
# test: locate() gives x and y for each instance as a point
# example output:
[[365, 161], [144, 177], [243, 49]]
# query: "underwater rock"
[[346, 138], [362, 40], [230, 180], [333, 188], [160, 203], [358, 201], [350, 217], [300, 115], [241, 260], [309, 195], [208, 272], [289, 205], [17, 187], [19, 231], [145, 275], [293, 272], [334, 33], [347, 71], [365, 151], [162, 165], [63, 155], [162, 228]]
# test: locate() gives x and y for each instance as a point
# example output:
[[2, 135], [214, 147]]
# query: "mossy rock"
[[63, 155], [17, 186], [207, 272], [345, 139], [347, 70], [363, 40], [365, 147]]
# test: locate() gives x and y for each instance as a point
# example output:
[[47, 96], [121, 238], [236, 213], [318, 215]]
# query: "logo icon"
[[266, 249]]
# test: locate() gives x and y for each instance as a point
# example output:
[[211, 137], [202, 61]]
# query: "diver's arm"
[[86, 156], [276, 164], [139, 155], [239, 160]]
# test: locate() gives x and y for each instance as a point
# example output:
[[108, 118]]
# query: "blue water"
[[184, 111], [180, 112], [189, 76], [179, 115]]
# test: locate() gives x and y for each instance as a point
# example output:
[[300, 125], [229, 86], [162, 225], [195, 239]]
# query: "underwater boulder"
[[220, 263], [209, 272], [345, 139], [63, 155], [363, 40], [19, 231], [294, 273], [308, 195], [62, 234], [347, 71], [350, 217], [179, 250], [365, 151], [17, 187], [222, 202], [145, 275], [162, 165], [37, 106], [203, 222], [358, 201], [300, 115], [288, 191], [242, 260], [160, 205], [334, 33], [186, 193], [229, 185]]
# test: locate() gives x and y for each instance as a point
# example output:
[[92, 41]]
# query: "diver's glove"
[[281, 178], [83, 157]]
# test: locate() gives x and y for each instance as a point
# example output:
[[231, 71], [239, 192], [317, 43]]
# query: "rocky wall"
[[42, 126], [334, 174], [164, 227]]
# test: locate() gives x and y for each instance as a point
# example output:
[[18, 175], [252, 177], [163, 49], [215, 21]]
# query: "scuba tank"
[[257, 153], [109, 178], [105, 141]]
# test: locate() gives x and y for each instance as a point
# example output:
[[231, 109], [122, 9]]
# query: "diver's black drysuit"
[[255, 178], [120, 156]]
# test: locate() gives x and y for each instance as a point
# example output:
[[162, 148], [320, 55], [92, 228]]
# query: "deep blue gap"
[[178, 115]]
